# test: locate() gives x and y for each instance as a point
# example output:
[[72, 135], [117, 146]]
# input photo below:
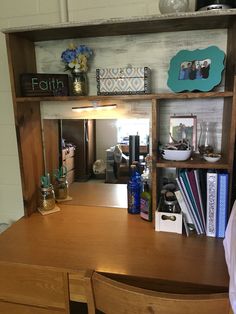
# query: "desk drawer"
[[70, 176], [69, 163], [10, 308], [33, 286], [68, 153]]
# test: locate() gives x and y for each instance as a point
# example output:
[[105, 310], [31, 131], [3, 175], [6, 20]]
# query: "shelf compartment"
[[129, 97], [195, 162]]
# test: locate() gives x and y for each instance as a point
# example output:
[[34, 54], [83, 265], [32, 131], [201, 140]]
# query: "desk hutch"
[[22, 59]]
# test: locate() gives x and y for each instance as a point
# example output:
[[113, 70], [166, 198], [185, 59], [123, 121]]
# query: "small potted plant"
[[76, 61], [61, 183]]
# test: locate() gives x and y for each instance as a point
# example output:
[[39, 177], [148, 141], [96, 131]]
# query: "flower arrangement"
[[75, 58]]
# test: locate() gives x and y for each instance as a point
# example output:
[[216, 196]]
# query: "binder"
[[203, 187], [222, 204], [183, 206], [211, 204], [201, 192], [191, 198], [192, 213], [196, 194]]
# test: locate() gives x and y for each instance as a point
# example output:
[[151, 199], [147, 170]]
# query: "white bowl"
[[213, 158], [177, 155]]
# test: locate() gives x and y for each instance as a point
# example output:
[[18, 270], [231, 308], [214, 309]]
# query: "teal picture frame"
[[196, 70]]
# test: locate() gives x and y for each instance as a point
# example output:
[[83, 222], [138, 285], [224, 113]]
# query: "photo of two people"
[[194, 70]]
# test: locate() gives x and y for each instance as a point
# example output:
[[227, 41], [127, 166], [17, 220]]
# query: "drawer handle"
[[165, 217]]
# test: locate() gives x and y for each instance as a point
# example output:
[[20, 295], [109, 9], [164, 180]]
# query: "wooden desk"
[[109, 240]]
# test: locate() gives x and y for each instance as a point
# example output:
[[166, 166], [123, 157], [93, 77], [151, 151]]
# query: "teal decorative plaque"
[[200, 69]]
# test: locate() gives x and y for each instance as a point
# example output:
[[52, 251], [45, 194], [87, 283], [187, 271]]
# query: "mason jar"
[[79, 83], [61, 188], [47, 198]]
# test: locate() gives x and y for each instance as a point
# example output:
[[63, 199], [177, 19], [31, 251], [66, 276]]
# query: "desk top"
[[112, 241]]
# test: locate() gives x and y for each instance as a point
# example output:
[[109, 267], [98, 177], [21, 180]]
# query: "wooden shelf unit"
[[196, 162], [129, 97], [22, 59]]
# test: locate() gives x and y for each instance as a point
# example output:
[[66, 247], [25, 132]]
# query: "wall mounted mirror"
[[92, 140]]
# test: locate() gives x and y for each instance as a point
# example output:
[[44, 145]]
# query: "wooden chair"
[[112, 297]]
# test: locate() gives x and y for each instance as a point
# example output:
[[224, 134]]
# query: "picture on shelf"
[[184, 127], [195, 70], [200, 69]]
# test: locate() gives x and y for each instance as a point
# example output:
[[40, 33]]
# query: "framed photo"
[[184, 127], [196, 70]]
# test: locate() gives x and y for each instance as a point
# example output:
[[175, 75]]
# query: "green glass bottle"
[[145, 203]]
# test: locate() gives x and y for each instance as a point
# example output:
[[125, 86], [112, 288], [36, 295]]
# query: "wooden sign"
[[44, 84]]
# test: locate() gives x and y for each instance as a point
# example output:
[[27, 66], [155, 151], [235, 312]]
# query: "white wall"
[[11, 205], [81, 11], [106, 136], [39, 12], [29, 12], [13, 14]]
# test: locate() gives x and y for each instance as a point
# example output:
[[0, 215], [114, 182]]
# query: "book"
[[211, 204], [222, 204], [200, 194], [192, 214], [183, 175], [196, 194], [183, 206], [202, 175], [185, 223]]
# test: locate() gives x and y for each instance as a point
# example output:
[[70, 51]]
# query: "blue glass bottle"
[[133, 192], [138, 175]]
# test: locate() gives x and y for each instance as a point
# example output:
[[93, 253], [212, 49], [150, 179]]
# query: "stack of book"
[[203, 199]]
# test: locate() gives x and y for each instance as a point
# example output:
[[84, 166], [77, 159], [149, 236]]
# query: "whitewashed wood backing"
[[152, 50], [63, 110], [205, 110]]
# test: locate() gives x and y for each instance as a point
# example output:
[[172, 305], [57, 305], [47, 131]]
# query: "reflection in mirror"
[[94, 135], [86, 147]]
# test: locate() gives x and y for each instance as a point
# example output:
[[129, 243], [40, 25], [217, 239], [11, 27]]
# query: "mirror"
[[93, 134], [92, 139]]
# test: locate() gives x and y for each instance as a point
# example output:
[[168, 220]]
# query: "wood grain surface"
[[98, 194], [110, 240]]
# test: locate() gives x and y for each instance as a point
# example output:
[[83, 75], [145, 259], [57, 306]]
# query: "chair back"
[[112, 297]]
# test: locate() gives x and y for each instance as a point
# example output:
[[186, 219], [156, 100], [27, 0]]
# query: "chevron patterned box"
[[123, 81]]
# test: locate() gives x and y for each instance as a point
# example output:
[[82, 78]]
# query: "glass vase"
[[173, 6], [207, 138], [47, 198], [79, 83], [61, 188]]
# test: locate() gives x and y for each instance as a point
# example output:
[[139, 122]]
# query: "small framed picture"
[[196, 70], [184, 127]]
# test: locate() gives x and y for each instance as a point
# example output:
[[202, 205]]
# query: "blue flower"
[[68, 55], [82, 49], [76, 57]]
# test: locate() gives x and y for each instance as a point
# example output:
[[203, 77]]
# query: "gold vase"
[[79, 83]]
